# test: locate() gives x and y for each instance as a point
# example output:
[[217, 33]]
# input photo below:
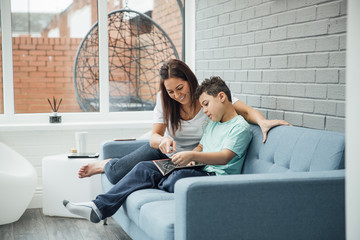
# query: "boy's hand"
[[167, 145], [182, 158]]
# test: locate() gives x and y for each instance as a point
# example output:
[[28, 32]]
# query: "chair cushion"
[[294, 149]]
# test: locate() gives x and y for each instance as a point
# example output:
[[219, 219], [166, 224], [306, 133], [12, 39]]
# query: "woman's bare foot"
[[92, 168]]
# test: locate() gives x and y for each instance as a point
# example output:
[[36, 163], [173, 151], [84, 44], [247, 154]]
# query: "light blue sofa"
[[291, 187]]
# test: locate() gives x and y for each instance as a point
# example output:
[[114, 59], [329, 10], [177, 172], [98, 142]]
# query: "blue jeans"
[[143, 175], [117, 168]]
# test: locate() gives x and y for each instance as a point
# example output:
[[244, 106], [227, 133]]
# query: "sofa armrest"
[[111, 149], [306, 205]]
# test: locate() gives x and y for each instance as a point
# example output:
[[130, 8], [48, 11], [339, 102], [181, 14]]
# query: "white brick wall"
[[285, 58]]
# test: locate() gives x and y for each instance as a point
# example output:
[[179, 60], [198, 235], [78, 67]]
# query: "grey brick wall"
[[285, 58]]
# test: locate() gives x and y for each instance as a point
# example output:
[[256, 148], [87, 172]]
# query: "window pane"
[[46, 37], [141, 38]]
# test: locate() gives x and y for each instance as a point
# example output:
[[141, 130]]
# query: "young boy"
[[222, 147]]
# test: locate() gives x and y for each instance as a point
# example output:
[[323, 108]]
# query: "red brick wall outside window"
[[43, 68]]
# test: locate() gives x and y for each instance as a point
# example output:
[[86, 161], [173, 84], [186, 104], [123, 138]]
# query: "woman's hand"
[[182, 158], [266, 125], [254, 116], [167, 145]]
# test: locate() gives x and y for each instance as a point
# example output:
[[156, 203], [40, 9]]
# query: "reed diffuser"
[[54, 118]]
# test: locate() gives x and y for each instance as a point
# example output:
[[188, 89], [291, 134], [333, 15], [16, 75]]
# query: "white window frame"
[[190, 33], [11, 119]]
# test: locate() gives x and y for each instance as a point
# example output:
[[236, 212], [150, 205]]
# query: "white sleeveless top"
[[188, 137]]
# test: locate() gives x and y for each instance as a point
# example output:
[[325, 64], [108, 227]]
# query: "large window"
[[46, 35], [52, 43]]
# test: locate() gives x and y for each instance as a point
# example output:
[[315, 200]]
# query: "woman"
[[178, 123]]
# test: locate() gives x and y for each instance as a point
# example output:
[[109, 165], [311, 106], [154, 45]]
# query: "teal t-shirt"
[[234, 135]]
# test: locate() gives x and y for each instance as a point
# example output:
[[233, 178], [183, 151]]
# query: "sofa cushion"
[[157, 219], [138, 199], [294, 149]]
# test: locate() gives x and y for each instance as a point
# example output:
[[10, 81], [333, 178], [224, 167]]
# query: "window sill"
[[75, 121], [74, 126]]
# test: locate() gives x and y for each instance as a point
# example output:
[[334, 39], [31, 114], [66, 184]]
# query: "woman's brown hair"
[[171, 109]]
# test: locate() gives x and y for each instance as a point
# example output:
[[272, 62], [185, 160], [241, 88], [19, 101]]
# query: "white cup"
[[80, 140]]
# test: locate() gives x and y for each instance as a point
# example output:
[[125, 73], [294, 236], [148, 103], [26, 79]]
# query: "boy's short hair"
[[212, 87]]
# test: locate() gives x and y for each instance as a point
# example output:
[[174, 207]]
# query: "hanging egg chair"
[[137, 48]]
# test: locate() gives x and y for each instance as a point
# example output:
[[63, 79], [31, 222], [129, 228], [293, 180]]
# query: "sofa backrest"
[[294, 149]]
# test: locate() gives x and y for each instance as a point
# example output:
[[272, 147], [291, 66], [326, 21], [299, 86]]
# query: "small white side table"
[[60, 181]]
